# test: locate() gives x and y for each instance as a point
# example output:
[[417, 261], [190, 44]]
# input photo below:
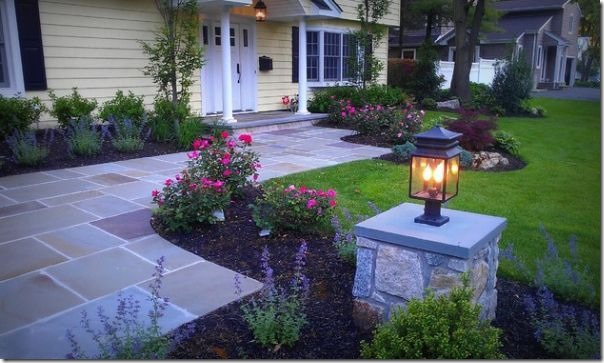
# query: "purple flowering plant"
[[277, 316]]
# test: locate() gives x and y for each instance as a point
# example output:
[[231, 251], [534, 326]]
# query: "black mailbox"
[[265, 63]]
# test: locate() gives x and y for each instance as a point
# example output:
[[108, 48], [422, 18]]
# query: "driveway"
[[570, 93]]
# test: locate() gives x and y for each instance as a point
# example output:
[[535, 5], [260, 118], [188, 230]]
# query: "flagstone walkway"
[[72, 239]]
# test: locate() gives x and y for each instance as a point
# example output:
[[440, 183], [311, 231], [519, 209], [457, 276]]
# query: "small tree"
[[364, 67], [512, 84], [175, 54], [425, 82]]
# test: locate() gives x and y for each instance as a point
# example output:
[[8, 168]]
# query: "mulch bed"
[[330, 332], [59, 157]]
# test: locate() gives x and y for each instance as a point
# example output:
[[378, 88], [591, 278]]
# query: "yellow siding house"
[[94, 45]]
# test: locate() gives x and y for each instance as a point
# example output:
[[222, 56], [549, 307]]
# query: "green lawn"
[[560, 187]]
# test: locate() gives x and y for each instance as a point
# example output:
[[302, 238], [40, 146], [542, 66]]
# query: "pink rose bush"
[[294, 208], [218, 168], [188, 201], [225, 158]]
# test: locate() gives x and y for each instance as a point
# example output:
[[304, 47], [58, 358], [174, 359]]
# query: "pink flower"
[[285, 100], [311, 203], [332, 203], [226, 159], [290, 188], [245, 138], [227, 172], [177, 177], [193, 154], [218, 184], [155, 193], [168, 182], [224, 134], [302, 189], [255, 177], [343, 114], [231, 144], [192, 186], [331, 193], [379, 107]]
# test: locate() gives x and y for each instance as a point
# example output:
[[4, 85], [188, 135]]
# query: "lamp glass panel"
[[430, 178]]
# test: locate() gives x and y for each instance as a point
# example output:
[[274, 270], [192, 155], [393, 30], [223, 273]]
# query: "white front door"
[[243, 67]]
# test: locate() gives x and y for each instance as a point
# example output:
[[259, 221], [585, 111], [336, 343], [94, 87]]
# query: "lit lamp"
[[434, 175], [260, 9]]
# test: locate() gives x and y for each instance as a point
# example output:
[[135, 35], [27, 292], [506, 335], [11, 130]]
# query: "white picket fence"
[[482, 71]]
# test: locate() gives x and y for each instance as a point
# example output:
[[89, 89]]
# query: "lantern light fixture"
[[434, 174], [260, 9]]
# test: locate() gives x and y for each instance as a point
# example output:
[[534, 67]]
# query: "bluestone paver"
[[73, 238]]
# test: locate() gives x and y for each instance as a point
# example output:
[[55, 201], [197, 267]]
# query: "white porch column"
[[557, 67], [302, 89], [227, 87]]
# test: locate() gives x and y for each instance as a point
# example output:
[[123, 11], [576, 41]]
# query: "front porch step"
[[258, 123]]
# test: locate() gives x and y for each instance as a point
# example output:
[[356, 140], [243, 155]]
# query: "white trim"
[[302, 87], [539, 56], [571, 23], [409, 50], [11, 40], [450, 57], [225, 47]]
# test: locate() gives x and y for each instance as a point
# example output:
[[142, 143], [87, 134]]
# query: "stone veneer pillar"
[[398, 259]]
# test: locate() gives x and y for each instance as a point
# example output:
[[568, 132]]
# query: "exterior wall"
[[495, 51], [349, 11], [572, 35], [93, 45]]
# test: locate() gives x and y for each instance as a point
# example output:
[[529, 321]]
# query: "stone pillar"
[[398, 259]]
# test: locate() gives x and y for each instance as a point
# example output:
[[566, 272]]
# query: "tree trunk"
[[587, 68], [429, 25], [464, 46]]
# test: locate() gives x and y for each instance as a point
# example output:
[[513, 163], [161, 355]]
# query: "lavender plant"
[[128, 134], [344, 239], [82, 138], [124, 336], [276, 317], [562, 329], [26, 149]]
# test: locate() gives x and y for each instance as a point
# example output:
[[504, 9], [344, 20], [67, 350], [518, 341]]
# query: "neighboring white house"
[[94, 45]]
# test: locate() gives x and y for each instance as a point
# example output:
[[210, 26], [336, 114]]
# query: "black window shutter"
[[295, 42], [30, 43]]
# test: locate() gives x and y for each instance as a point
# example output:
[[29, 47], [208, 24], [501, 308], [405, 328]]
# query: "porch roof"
[[553, 39], [287, 10]]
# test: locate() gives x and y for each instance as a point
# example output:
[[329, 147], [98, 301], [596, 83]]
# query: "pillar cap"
[[465, 234]]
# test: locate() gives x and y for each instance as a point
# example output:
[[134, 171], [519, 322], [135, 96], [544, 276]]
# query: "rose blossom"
[[311, 203], [245, 138]]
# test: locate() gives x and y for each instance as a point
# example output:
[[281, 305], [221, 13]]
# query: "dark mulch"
[[60, 158], [330, 332]]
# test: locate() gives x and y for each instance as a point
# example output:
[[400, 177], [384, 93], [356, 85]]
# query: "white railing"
[[482, 71]]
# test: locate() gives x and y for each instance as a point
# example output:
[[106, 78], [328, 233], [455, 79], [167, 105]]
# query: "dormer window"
[[571, 23]]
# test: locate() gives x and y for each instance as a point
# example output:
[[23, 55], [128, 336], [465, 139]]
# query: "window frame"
[[539, 57], [409, 50], [571, 23], [8, 21], [321, 81]]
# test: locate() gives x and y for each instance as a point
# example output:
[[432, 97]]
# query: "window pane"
[[349, 52], [217, 35], [312, 56], [232, 36], [3, 64], [331, 60], [205, 34], [245, 44], [408, 54]]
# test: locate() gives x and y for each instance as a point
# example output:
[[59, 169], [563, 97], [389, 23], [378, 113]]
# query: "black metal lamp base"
[[436, 221], [432, 215]]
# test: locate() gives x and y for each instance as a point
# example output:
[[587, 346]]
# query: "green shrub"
[[591, 84], [512, 85], [25, 148], [507, 142], [189, 201], [82, 138], [123, 107], [18, 114], [400, 72], [166, 118], [404, 151], [320, 102], [276, 317], [291, 208], [429, 104], [447, 327], [189, 130], [72, 107], [482, 97], [128, 135], [382, 95], [425, 80]]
